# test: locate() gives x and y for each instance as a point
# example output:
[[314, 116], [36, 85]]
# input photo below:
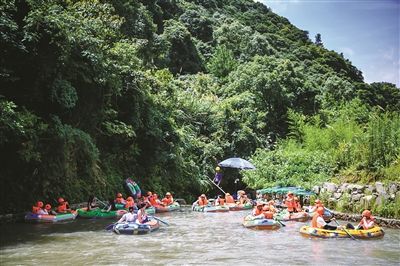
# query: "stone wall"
[[365, 196]]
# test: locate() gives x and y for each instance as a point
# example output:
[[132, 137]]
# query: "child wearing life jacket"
[[119, 199], [319, 222], [63, 206], [168, 200], [367, 222]]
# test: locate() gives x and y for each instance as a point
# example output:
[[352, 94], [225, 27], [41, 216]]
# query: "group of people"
[[42, 209], [291, 202], [241, 199]]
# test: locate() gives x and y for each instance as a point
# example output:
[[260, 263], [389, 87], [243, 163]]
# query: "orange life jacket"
[[268, 215], [229, 199], [129, 203], [256, 211], [221, 201], [290, 204], [153, 201], [202, 202], [314, 221], [167, 201]]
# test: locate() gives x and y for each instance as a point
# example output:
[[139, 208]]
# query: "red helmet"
[[48, 207], [320, 210], [60, 200], [366, 213], [39, 204], [119, 195]]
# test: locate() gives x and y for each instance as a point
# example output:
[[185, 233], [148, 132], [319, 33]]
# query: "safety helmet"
[[202, 196], [129, 199], [227, 194], [149, 193], [167, 194], [217, 168], [317, 201], [366, 213], [320, 210], [119, 195], [60, 200], [48, 207], [39, 204]]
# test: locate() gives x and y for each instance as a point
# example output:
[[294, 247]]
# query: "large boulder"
[[358, 188]]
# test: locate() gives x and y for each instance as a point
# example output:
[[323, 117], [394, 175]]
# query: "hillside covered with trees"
[[92, 92]]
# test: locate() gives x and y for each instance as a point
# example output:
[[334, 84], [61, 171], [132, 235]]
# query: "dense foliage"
[[94, 91]]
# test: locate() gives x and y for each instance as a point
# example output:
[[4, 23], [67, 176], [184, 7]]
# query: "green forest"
[[95, 91]]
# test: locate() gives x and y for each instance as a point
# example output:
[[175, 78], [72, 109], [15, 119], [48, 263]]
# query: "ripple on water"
[[191, 239]]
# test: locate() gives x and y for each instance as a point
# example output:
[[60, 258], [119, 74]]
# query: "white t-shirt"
[[128, 217], [321, 222]]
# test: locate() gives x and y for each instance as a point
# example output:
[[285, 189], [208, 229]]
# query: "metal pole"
[[217, 186]]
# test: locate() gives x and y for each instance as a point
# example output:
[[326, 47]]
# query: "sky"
[[367, 32]]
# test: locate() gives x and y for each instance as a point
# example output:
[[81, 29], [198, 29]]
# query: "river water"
[[192, 238]]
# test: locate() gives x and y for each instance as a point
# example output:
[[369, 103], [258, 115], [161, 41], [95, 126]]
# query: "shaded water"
[[192, 238]]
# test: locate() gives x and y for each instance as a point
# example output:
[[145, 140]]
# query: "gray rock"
[[330, 187], [368, 201], [381, 199], [343, 187], [380, 188], [337, 195], [316, 189], [359, 188], [356, 197], [393, 188], [370, 189]]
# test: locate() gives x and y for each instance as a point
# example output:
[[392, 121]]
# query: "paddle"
[[347, 232], [158, 219], [280, 222], [110, 226]]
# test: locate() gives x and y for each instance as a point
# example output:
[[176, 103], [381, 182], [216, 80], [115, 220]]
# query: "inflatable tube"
[[239, 207], [132, 188], [260, 224], [99, 214], [297, 216], [32, 217], [173, 207], [210, 208], [374, 232], [135, 228]]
